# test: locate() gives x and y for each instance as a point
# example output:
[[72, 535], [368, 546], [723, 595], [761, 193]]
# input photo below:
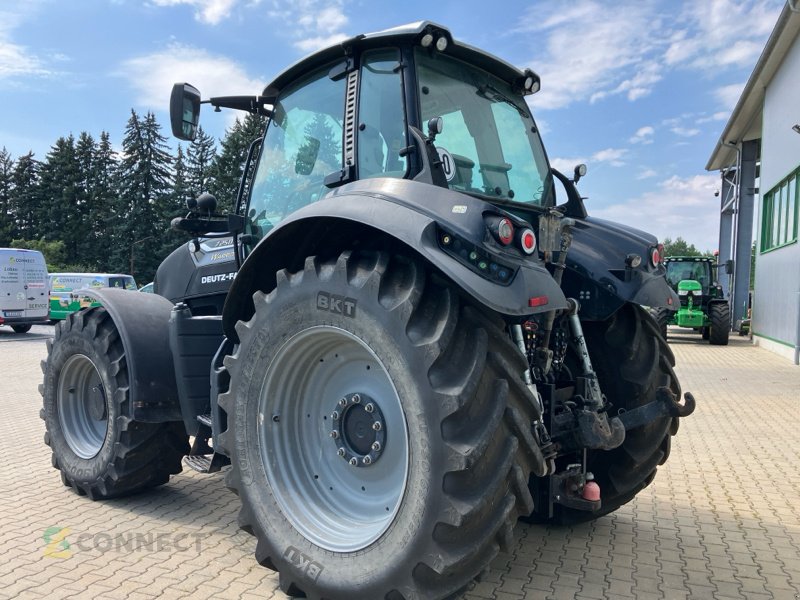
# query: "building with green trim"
[[758, 156]]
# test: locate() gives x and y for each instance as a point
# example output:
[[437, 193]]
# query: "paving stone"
[[720, 520]]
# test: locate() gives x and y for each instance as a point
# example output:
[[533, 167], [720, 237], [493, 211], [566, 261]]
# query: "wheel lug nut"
[[354, 461], [369, 407], [340, 452], [334, 434], [367, 460], [376, 446], [335, 415], [343, 402], [377, 426], [356, 398]]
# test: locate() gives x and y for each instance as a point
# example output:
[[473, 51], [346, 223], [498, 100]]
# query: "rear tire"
[[99, 450], [632, 360], [720, 316], [21, 328], [447, 380]]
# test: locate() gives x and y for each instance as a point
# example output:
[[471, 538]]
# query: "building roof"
[[745, 121]]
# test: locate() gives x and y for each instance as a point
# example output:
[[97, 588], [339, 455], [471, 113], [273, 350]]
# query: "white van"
[[24, 289]]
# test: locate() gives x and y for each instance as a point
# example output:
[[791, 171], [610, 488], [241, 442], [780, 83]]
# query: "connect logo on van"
[[19, 259]]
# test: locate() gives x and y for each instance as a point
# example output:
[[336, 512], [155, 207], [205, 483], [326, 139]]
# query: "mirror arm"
[[574, 206], [252, 104]]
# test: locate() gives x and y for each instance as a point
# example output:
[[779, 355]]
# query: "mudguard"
[[406, 216], [142, 321], [598, 276]]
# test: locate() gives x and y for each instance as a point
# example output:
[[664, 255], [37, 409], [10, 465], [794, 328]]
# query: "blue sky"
[[639, 90]]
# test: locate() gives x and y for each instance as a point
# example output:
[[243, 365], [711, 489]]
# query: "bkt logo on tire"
[[337, 304]]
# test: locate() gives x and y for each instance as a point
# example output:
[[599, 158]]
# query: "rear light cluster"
[[504, 232], [656, 255], [476, 259]]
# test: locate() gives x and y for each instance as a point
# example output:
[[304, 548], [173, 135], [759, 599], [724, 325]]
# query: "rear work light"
[[527, 241]]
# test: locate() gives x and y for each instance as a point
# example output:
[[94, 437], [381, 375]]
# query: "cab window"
[[302, 145], [381, 116]]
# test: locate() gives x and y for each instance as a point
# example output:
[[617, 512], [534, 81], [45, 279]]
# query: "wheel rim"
[[335, 503], [82, 408]]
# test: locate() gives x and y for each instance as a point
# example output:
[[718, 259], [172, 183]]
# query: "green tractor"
[[703, 306]]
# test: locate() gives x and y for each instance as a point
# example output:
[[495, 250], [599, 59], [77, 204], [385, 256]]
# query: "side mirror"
[[729, 267], [184, 111]]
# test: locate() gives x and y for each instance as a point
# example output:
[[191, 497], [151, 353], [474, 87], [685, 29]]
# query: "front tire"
[[99, 450], [455, 414], [631, 360], [720, 316]]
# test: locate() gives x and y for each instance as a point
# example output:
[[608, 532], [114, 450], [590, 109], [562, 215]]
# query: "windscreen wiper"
[[490, 92]]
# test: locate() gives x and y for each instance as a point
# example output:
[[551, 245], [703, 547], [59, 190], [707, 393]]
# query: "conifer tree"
[[144, 198], [7, 228], [229, 163], [25, 197], [199, 159]]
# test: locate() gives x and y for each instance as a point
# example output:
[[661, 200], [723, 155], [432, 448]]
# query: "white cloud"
[[728, 95], [17, 60], [643, 135], [314, 24], [720, 33], [152, 75], [646, 174], [717, 116], [591, 51], [211, 12], [685, 131], [684, 207], [612, 156]]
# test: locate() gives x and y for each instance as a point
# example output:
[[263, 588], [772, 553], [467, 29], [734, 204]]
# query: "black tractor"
[[407, 336]]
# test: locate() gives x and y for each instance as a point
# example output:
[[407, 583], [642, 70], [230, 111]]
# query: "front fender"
[[396, 216], [598, 276], [142, 321]]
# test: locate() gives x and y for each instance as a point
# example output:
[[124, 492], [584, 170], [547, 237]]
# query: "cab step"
[[206, 463]]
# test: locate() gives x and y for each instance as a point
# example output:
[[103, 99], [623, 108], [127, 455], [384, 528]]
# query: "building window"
[[779, 215]]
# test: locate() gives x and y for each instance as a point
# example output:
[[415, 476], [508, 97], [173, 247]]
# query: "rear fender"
[[398, 216], [142, 321]]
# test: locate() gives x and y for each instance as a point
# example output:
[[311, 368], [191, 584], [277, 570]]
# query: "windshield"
[[699, 271], [489, 144]]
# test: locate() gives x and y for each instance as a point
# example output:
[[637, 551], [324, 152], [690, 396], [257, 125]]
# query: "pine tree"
[[144, 198], [228, 166], [25, 197], [6, 214], [60, 209], [199, 158], [103, 197]]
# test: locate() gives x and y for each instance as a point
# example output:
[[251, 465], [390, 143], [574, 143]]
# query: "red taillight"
[[656, 255], [527, 240]]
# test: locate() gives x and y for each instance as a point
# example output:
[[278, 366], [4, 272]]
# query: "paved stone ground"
[[722, 519]]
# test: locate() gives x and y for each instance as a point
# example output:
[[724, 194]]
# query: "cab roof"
[[402, 34]]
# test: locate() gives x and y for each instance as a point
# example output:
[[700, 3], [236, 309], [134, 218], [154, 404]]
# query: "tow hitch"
[[665, 405]]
